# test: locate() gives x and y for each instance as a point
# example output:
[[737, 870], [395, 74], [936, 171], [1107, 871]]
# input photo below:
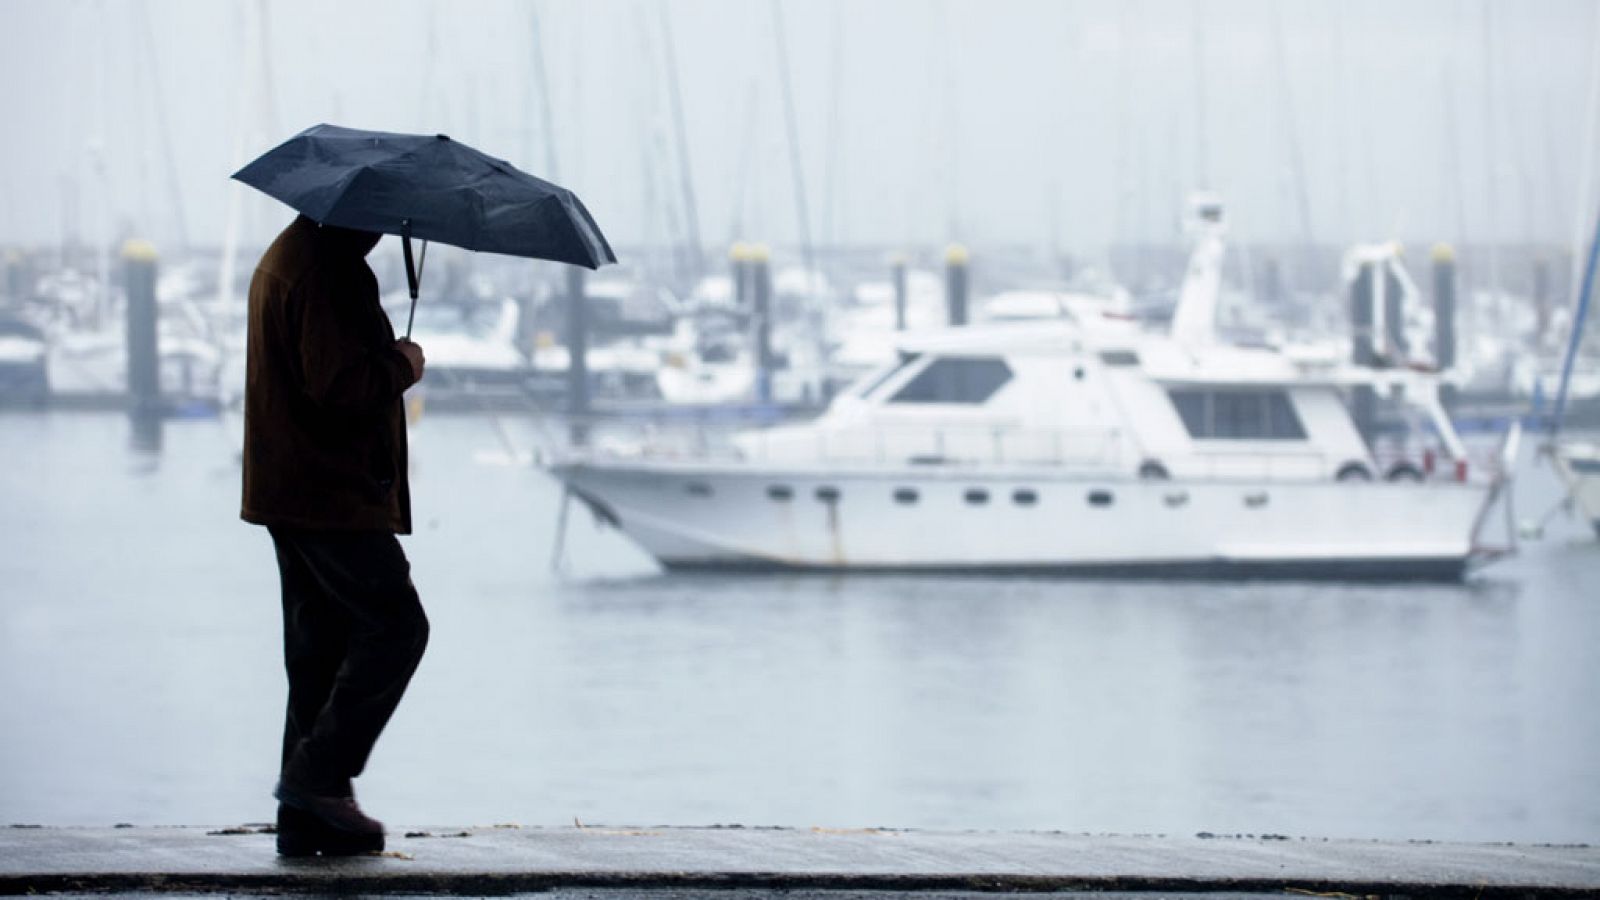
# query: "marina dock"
[[736, 861]]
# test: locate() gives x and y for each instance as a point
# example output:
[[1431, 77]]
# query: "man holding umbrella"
[[325, 471], [325, 441]]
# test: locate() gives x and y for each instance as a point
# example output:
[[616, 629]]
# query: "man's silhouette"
[[325, 471]]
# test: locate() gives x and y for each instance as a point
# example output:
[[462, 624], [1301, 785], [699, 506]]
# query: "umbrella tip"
[[442, 137]]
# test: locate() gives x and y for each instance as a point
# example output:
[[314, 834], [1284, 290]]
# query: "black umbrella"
[[430, 187]]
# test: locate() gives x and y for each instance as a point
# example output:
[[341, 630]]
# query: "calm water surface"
[[139, 655]]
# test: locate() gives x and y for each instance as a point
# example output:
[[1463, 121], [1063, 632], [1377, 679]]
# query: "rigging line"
[[686, 173], [1493, 230], [546, 120], [174, 185], [1296, 154], [1586, 185], [794, 145]]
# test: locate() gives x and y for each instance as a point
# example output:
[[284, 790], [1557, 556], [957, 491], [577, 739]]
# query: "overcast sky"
[[919, 121]]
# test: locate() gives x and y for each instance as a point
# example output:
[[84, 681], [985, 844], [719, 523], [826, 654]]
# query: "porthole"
[[977, 496], [781, 492], [1353, 471], [1100, 498], [905, 496], [1024, 496], [698, 489], [828, 494]]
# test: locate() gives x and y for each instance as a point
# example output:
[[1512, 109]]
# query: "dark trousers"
[[353, 633]]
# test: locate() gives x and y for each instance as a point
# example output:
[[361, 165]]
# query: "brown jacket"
[[324, 422]]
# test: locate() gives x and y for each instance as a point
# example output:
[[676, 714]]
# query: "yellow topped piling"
[[139, 250]]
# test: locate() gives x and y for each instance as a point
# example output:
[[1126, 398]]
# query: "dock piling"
[[1362, 349], [956, 284], [1444, 318], [139, 260], [577, 340], [897, 274], [760, 276]]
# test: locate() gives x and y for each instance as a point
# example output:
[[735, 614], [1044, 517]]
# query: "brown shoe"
[[339, 813]]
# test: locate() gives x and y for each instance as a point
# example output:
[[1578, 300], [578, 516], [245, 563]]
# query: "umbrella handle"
[[413, 272]]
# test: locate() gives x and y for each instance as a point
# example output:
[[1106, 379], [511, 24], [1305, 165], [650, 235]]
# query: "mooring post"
[[139, 260], [1444, 318], [739, 273], [1272, 284], [897, 274], [144, 362], [956, 284], [760, 274], [577, 340], [1364, 401], [1541, 300]]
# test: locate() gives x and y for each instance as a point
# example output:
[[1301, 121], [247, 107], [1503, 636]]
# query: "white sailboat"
[[1050, 446]]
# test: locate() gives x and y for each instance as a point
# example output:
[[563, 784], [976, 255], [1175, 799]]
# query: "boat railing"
[[967, 444]]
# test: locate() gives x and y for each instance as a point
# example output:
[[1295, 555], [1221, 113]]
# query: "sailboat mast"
[[1586, 185], [158, 98], [1575, 340], [794, 143], [1297, 167], [685, 170], [1492, 233], [1202, 162]]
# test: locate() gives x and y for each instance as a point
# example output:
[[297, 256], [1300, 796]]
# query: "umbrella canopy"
[[430, 187]]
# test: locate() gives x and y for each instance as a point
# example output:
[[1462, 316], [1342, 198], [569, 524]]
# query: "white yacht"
[[1046, 447]]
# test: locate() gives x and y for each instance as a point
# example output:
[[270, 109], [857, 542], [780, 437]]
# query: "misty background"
[[1063, 126]]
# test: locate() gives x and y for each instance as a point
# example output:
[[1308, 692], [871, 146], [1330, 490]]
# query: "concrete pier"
[[731, 860]]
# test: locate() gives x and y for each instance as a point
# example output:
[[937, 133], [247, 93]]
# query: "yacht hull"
[[696, 515]]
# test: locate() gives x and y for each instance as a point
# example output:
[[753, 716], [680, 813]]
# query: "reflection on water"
[[138, 640], [145, 431]]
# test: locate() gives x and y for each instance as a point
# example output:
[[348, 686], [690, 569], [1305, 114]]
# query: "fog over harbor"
[[1032, 123]]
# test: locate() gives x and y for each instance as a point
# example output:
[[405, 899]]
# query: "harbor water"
[[142, 677]]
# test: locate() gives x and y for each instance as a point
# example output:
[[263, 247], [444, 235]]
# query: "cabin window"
[[905, 496], [698, 489], [977, 496], [1237, 415], [1024, 496], [828, 494], [780, 492], [1119, 358], [963, 380]]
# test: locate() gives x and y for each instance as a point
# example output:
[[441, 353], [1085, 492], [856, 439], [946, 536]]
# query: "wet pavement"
[[588, 861]]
